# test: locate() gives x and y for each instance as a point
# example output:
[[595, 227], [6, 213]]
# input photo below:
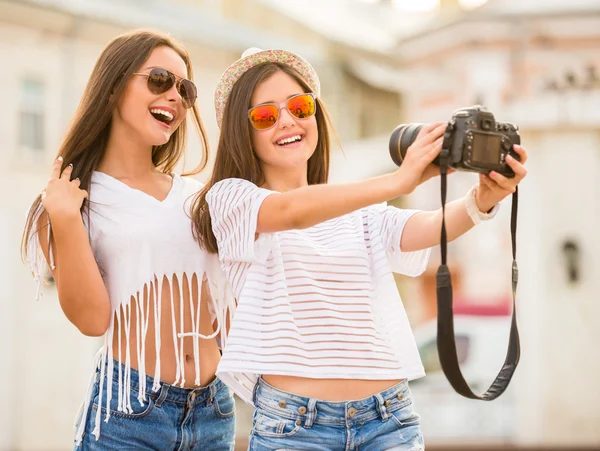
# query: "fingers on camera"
[[520, 150], [502, 181], [436, 146], [428, 132], [485, 180], [518, 168]]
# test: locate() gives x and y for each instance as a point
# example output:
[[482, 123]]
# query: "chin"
[[160, 140]]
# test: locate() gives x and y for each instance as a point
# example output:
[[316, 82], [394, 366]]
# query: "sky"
[[426, 5], [374, 25]]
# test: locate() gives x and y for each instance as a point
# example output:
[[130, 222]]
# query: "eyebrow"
[[160, 67], [273, 101]]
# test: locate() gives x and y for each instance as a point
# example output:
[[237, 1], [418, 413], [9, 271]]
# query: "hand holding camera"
[[493, 188], [417, 166], [473, 141]]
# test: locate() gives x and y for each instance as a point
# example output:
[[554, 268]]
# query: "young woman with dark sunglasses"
[[113, 225], [320, 343]]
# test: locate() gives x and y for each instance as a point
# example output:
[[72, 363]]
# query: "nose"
[[173, 95], [286, 119]]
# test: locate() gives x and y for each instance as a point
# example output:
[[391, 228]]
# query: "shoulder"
[[231, 186], [189, 181], [232, 183], [374, 209]]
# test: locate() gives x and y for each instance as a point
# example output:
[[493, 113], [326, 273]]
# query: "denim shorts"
[[384, 421], [173, 418]]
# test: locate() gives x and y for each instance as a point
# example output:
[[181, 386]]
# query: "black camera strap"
[[446, 344]]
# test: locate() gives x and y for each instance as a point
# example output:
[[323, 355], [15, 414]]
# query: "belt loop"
[[164, 391], [311, 413], [381, 407], [255, 390], [212, 392]]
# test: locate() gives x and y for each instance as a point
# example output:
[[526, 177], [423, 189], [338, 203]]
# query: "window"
[[32, 115]]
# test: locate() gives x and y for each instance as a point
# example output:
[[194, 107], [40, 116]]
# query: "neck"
[[282, 180], [125, 156]]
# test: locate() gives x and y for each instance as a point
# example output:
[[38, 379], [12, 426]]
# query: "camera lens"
[[402, 137]]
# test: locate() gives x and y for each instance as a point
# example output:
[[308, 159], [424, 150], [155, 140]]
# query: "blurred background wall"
[[381, 63]]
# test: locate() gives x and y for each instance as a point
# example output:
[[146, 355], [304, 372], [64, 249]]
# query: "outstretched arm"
[[422, 230]]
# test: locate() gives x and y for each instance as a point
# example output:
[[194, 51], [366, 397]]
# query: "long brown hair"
[[235, 157], [86, 140]]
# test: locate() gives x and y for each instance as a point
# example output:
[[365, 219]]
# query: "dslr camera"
[[474, 140]]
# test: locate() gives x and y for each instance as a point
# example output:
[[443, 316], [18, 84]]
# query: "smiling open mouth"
[[161, 115], [290, 140]]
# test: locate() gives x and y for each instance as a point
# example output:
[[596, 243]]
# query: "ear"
[[114, 88]]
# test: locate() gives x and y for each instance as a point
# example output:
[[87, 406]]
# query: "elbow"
[[93, 329], [93, 325], [92, 332], [97, 323], [91, 322]]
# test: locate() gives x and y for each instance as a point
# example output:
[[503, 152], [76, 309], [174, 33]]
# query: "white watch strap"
[[473, 210]]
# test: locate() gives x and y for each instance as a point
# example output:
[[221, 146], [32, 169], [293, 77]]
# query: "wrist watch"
[[473, 210]]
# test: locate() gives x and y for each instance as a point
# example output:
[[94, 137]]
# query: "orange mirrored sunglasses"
[[265, 116]]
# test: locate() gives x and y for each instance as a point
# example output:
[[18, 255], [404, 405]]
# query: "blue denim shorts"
[[384, 421], [173, 418]]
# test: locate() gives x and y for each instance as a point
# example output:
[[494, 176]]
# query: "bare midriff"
[[208, 350], [333, 390]]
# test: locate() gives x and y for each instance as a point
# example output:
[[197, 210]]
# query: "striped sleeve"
[[234, 206], [388, 222]]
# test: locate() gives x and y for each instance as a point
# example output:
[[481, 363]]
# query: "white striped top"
[[319, 302]]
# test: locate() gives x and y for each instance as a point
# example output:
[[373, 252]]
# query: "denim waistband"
[[167, 392], [346, 413]]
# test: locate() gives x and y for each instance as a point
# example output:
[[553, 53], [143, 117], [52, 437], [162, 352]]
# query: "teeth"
[[289, 140], [166, 114]]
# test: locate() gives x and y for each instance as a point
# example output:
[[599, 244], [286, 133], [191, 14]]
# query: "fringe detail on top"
[[224, 303], [221, 309], [36, 260], [157, 325]]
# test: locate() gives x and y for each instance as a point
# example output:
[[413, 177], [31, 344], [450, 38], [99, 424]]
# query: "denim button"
[[351, 412], [400, 396], [298, 422], [282, 404], [388, 403], [302, 410]]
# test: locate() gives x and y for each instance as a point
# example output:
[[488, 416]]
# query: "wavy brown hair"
[[235, 157], [86, 140]]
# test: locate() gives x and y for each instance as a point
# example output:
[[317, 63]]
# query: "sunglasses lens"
[[160, 81], [188, 93], [263, 117], [302, 106]]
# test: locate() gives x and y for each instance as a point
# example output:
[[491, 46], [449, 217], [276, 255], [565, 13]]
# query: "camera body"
[[475, 140]]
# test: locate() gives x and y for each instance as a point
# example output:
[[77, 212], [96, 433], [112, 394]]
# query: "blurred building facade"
[[532, 63], [535, 64]]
